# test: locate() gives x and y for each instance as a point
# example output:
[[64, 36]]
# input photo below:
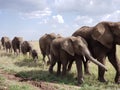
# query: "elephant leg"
[[86, 67], [43, 54], [53, 62], [101, 71], [70, 65], [79, 71], [15, 52], [58, 68], [48, 62], [64, 63], [51, 66], [116, 64], [99, 52]]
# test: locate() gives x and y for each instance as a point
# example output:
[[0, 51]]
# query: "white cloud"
[[115, 16], [58, 19], [82, 21], [26, 8], [37, 14], [91, 7], [53, 20]]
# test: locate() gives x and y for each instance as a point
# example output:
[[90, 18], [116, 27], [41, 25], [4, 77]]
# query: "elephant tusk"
[[84, 58], [100, 64]]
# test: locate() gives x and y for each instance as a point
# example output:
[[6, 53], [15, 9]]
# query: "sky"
[[31, 19]]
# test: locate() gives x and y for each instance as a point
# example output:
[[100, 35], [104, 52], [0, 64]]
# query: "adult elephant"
[[16, 44], [6, 43], [44, 44], [102, 40], [64, 50], [0, 45], [26, 47], [3, 40]]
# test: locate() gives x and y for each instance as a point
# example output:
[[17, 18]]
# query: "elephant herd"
[[85, 44], [17, 45]]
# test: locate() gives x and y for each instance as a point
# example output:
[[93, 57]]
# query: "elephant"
[[3, 40], [64, 50], [0, 45], [102, 40], [6, 43], [16, 44], [26, 47], [35, 55], [44, 44], [8, 46]]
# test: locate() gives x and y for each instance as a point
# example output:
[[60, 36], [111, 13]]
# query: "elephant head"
[[78, 46], [50, 37], [107, 33]]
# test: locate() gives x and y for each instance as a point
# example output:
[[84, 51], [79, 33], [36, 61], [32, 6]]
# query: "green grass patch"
[[24, 67]]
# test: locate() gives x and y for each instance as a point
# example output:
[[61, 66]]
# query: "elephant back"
[[84, 32]]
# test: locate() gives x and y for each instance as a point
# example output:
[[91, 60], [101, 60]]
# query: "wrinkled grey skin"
[[0, 45], [35, 55], [26, 47], [44, 44], [102, 40], [16, 44], [64, 50], [6, 43]]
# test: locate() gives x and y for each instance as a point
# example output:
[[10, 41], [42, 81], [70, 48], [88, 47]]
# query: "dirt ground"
[[39, 85]]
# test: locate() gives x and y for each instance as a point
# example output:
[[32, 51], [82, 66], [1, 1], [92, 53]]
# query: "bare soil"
[[40, 85]]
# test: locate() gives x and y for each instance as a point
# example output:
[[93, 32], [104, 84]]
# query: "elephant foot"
[[117, 80], [80, 81], [51, 71], [87, 73], [102, 79]]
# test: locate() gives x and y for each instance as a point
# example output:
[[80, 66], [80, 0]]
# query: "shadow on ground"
[[40, 75], [28, 62]]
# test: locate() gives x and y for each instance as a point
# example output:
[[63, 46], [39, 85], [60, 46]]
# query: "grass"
[[24, 67]]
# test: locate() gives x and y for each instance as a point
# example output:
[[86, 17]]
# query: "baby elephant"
[[34, 55], [64, 50]]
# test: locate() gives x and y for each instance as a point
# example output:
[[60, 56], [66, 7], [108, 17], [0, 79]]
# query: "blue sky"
[[33, 18]]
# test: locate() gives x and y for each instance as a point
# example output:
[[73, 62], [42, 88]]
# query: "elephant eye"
[[80, 46]]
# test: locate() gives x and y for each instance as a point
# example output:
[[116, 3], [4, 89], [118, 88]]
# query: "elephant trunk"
[[88, 55]]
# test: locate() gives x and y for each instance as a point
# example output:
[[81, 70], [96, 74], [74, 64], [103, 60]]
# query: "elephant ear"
[[67, 46], [102, 33]]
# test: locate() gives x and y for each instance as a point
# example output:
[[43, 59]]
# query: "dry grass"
[[24, 67]]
